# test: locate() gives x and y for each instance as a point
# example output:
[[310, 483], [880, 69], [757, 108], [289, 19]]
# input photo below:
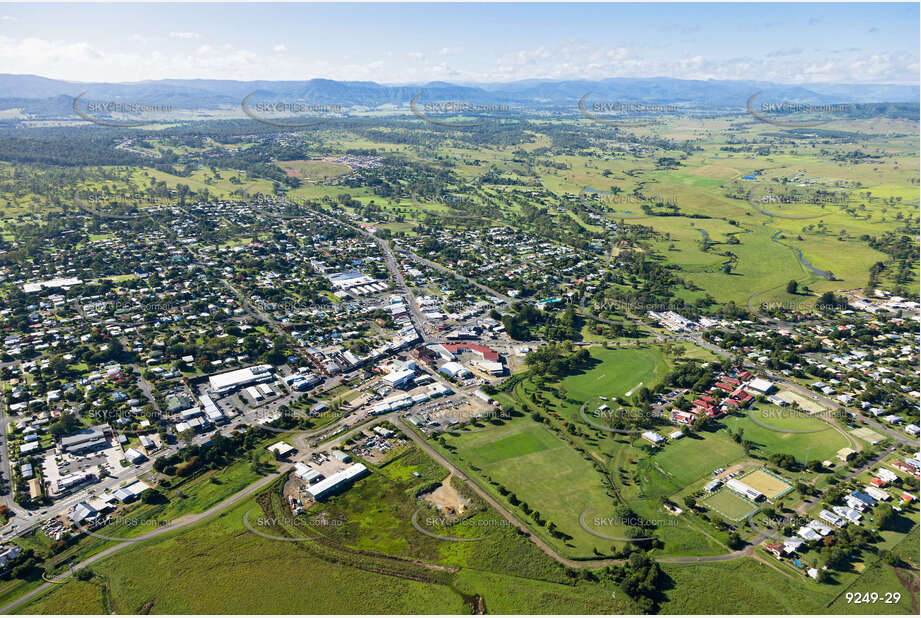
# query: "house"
[[876, 482], [808, 534], [653, 437], [864, 498], [8, 553], [775, 548], [887, 475], [791, 545], [852, 515], [831, 518], [913, 429], [819, 527], [877, 493]]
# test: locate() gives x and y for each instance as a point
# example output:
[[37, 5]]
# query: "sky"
[[463, 43]]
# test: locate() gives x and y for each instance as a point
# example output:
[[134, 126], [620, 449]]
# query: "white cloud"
[[78, 60], [184, 35]]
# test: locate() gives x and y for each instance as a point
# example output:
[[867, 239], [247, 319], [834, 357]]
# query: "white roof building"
[[454, 369], [760, 385], [230, 380]]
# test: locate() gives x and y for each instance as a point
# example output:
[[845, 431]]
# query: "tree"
[[792, 287], [734, 540], [885, 517]]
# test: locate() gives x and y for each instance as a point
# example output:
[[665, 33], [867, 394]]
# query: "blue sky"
[[404, 43]]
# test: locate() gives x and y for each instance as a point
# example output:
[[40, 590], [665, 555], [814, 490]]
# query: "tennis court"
[[771, 485]]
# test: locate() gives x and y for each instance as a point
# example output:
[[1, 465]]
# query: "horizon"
[[398, 44], [463, 83]]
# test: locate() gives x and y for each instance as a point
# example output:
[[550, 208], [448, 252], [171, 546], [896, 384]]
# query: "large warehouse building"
[[329, 485], [224, 382]]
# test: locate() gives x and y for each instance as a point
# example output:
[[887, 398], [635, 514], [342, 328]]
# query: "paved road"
[[183, 523]]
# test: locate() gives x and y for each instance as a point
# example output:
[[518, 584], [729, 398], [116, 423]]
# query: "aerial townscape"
[[551, 341]]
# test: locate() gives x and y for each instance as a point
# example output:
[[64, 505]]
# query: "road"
[[171, 527], [540, 543]]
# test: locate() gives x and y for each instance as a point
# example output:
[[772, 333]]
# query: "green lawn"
[[549, 476], [682, 462], [819, 445], [729, 505], [616, 372]]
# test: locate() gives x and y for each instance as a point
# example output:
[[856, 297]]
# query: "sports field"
[[803, 436], [729, 505], [684, 461], [804, 402], [541, 470], [617, 372], [766, 483], [867, 435]]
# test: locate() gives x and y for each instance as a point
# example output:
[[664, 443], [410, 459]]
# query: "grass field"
[[568, 485], [767, 484], [616, 372], [777, 434], [685, 461], [867, 435], [729, 505]]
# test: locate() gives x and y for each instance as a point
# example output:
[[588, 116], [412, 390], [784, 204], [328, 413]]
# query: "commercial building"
[[349, 279], [398, 379], [761, 386], [130, 492], [455, 370], [135, 456], [225, 382], [337, 481], [71, 481], [84, 441]]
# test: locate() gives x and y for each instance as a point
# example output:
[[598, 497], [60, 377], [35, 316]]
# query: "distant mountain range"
[[43, 97]]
